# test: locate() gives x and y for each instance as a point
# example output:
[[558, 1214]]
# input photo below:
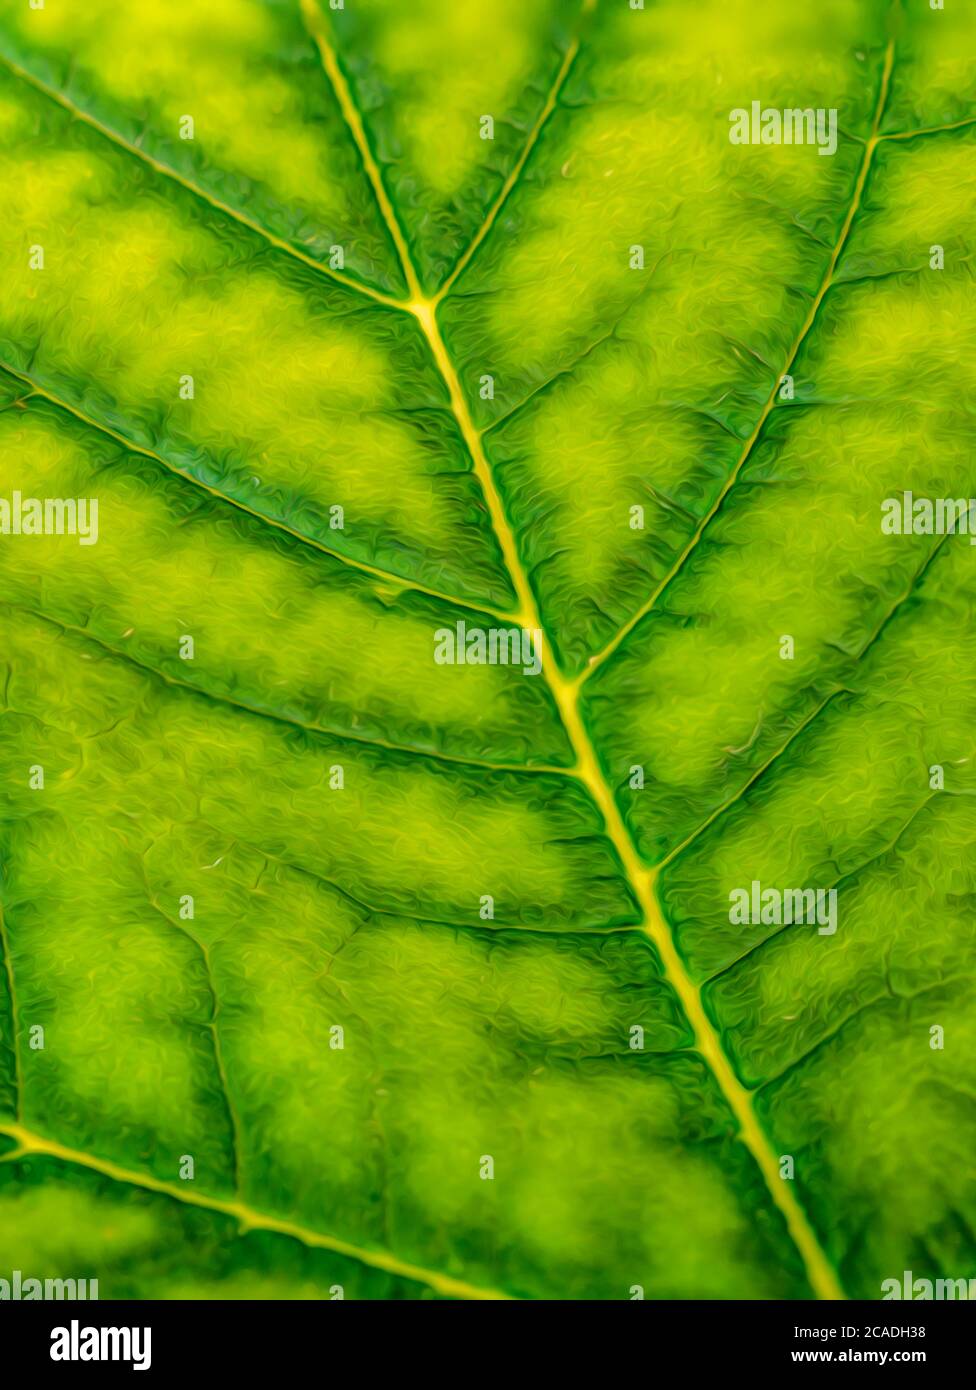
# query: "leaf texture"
[[636, 1066]]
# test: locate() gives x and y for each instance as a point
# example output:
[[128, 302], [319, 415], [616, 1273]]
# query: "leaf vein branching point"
[[565, 693], [280, 244], [508, 187]]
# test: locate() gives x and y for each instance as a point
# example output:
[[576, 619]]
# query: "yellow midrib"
[[566, 694], [819, 1272]]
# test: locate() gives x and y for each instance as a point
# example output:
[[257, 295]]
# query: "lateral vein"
[[14, 1015], [212, 1028], [814, 715], [280, 244], [516, 172], [597, 660], [374, 571], [276, 717], [354, 120], [246, 1216]]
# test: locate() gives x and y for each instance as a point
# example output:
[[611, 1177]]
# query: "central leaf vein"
[[566, 692]]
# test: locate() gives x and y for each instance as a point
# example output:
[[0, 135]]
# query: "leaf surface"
[[337, 805]]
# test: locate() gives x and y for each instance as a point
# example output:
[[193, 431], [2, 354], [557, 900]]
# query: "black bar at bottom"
[[467, 1340]]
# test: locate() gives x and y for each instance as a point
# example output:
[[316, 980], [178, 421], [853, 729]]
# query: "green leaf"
[[339, 923]]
